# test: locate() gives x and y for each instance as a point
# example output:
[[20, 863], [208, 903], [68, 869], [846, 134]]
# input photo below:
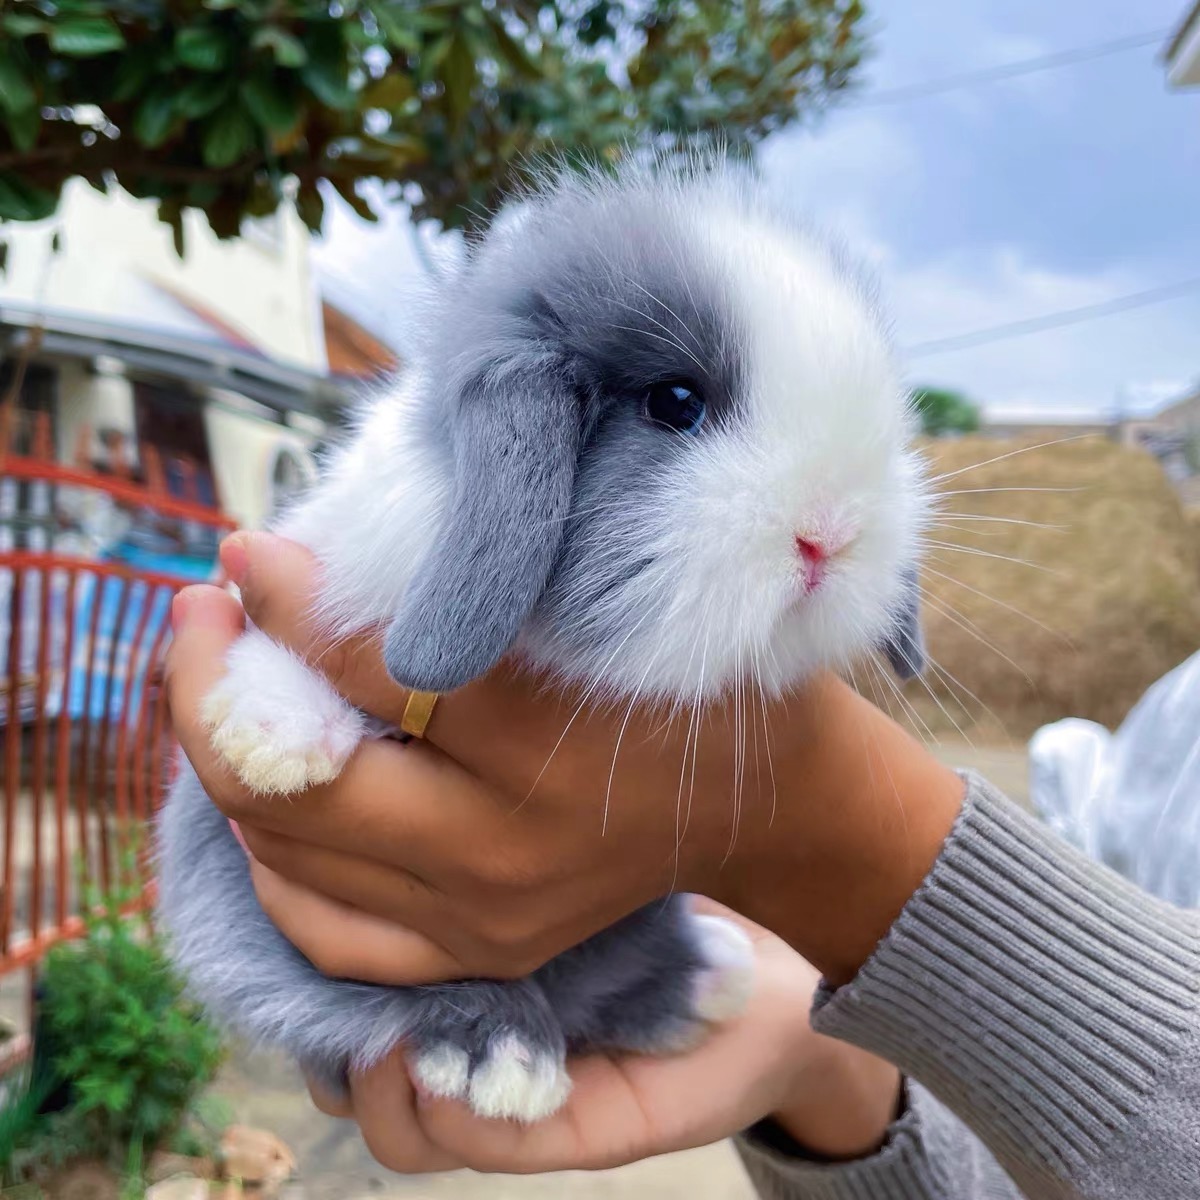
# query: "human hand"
[[529, 820], [834, 1099]]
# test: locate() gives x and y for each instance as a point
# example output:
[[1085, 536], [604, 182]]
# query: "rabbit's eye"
[[675, 404]]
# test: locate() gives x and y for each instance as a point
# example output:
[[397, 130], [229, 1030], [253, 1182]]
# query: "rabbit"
[[655, 442]]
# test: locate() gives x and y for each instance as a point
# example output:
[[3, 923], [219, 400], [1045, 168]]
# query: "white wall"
[[244, 447], [98, 401], [114, 249]]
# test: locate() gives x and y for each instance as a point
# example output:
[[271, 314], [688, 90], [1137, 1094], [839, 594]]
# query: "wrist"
[[861, 814], [841, 1104]]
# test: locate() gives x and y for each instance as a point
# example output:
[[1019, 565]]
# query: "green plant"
[[22, 1122], [217, 104], [132, 1050], [943, 411]]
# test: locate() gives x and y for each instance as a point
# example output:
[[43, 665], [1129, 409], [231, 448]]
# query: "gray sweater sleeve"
[[929, 1154], [1047, 1004]]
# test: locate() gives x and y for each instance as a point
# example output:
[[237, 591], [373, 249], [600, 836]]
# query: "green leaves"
[[271, 103], [327, 71], [86, 37], [287, 50], [21, 200], [228, 135], [213, 104], [155, 116], [201, 96], [16, 92], [203, 47]]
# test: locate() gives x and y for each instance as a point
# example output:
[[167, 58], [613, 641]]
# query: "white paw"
[[443, 1071], [275, 722], [513, 1083], [723, 988]]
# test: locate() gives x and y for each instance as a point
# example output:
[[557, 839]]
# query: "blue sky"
[[980, 205]]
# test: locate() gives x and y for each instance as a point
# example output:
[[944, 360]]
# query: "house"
[[1169, 429], [1172, 435], [1045, 424], [1183, 52], [220, 372]]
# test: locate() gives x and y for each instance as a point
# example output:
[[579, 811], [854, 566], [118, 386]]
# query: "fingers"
[[381, 890], [330, 1103], [346, 943], [394, 804], [206, 622], [384, 1104]]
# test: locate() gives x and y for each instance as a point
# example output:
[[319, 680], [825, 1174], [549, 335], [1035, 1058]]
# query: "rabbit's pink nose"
[[814, 560]]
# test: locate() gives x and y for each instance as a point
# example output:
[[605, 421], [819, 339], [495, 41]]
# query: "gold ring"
[[417, 713]]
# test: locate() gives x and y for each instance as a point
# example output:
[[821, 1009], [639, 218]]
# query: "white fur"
[[517, 1083], [278, 724], [443, 1071], [514, 1082], [724, 989]]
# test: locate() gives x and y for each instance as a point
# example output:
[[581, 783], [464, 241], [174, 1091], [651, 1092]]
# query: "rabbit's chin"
[[808, 634]]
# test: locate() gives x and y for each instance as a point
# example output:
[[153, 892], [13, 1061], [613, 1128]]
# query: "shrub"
[[132, 1051]]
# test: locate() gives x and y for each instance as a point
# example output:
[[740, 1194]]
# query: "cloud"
[[1134, 357]]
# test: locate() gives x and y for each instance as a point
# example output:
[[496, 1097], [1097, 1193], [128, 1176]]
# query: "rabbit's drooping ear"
[[515, 438], [905, 643]]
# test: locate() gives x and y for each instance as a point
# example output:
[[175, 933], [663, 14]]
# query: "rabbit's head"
[[676, 449]]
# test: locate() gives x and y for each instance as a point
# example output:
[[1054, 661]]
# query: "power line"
[[1055, 320], [1012, 70]]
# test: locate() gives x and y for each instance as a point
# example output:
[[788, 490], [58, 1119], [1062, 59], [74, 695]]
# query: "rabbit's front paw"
[[722, 987], [513, 1080], [278, 724]]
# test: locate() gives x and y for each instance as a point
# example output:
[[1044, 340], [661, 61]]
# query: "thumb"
[[206, 622]]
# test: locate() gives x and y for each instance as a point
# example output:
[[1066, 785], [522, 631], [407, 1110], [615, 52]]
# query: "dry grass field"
[[1062, 580]]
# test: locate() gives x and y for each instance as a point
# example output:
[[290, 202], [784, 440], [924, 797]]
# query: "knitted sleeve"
[[1045, 1010]]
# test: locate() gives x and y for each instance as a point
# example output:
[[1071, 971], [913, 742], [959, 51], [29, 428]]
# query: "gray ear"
[[905, 643], [515, 440]]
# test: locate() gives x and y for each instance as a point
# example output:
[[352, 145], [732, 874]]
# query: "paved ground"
[[267, 1092]]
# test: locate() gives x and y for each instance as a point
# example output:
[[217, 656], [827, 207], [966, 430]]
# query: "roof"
[[223, 329], [1189, 397], [199, 361], [1187, 36], [351, 351], [1185, 27]]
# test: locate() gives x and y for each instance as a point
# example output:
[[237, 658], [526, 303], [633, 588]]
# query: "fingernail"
[[180, 603], [234, 559]]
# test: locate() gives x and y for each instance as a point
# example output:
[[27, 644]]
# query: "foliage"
[[223, 105], [133, 1051], [942, 412], [22, 1122]]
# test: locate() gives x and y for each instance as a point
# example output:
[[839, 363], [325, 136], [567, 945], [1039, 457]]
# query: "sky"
[[979, 205]]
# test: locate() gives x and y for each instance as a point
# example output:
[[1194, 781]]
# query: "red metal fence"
[[84, 622]]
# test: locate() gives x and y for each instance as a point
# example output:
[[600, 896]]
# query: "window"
[[292, 473]]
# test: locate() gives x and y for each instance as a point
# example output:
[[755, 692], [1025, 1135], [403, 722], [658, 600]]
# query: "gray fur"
[[515, 442], [250, 977], [904, 646]]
